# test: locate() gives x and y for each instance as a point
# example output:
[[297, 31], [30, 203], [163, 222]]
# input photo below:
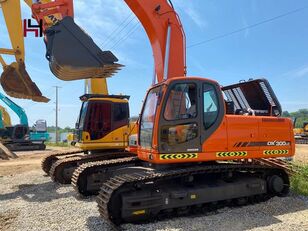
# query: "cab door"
[[180, 119], [212, 110]]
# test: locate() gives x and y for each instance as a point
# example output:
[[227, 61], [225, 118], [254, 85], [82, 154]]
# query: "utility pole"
[[57, 109]]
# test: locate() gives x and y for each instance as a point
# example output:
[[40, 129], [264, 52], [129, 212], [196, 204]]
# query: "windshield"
[[148, 117], [83, 113]]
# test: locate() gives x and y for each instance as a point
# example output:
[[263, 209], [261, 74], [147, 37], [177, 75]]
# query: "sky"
[[276, 50]]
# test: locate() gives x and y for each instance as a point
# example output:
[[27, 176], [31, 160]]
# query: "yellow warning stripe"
[[230, 154], [178, 156], [275, 152]]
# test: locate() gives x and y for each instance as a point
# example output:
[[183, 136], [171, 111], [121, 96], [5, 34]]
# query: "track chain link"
[[57, 169], [83, 171], [47, 160]]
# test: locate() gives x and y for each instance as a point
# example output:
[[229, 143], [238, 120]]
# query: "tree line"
[[301, 116]]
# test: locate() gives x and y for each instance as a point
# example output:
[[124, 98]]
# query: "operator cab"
[[182, 110], [100, 115], [179, 115]]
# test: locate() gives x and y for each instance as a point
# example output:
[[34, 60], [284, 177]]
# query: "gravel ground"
[[31, 201]]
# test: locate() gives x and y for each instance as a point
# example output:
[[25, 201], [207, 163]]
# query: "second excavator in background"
[[5, 119], [301, 134], [103, 126], [19, 137], [102, 132], [15, 80]]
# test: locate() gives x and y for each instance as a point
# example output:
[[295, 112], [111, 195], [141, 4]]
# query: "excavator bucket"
[[17, 83], [73, 55]]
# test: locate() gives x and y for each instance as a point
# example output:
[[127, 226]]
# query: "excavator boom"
[[162, 26]]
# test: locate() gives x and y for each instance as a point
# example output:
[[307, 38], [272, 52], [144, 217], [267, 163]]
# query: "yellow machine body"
[[104, 120]]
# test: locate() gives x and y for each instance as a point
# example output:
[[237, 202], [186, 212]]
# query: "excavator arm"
[[15, 80], [72, 54]]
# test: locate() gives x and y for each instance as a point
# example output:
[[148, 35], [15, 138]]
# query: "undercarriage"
[[150, 194]]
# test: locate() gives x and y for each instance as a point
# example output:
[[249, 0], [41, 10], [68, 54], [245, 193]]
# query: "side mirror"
[[76, 125]]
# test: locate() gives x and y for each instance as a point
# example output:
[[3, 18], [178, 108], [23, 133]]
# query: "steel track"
[[51, 158], [108, 194]]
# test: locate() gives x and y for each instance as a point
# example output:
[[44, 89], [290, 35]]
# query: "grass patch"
[[299, 181]]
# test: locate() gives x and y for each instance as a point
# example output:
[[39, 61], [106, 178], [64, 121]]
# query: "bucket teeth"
[[73, 55], [17, 83]]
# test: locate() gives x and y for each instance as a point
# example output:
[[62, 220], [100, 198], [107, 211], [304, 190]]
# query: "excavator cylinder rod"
[[73, 55], [17, 83]]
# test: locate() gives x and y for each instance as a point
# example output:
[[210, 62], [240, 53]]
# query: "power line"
[[126, 36], [248, 27], [121, 27]]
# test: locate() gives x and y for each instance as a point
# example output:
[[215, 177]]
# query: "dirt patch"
[[7, 219], [26, 161], [301, 155]]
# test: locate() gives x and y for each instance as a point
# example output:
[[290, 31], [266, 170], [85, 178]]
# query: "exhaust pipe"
[[73, 55]]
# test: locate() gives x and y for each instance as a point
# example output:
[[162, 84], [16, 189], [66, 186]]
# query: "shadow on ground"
[[43, 192]]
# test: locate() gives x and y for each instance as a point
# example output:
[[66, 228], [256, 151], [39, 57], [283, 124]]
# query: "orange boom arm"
[[162, 26]]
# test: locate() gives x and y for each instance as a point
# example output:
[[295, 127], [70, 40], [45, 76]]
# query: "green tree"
[[301, 116]]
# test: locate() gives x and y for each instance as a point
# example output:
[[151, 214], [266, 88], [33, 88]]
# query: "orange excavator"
[[197, 141]]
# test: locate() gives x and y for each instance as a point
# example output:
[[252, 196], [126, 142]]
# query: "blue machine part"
[[20, 112], [39, 136], [1, 122]]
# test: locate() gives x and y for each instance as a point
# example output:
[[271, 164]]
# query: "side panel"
[[278, 132], [116, 139], [241, 131], [238, 137], [218, 140]]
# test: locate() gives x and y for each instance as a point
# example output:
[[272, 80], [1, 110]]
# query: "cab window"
[[210, 105], [182, 102], [120, 115]]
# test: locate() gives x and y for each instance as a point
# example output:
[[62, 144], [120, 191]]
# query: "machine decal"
[[262, 143], [275, 152], [278, 143], [178, 156], [139, 212], [230, 154]]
